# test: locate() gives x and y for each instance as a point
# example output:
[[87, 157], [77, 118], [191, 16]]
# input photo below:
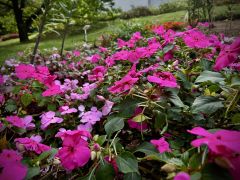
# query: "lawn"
[[8, 49]]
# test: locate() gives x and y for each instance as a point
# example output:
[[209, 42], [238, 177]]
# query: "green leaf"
[[186, 83], [214, 172], [206, 64], [160, 120], [176, 161], [52, 107], [168, 48], [126, 107], [236, 118], [174, 98], [26, 99], [132, 176], [206, 104], [195, 161], [10, 106], [213, 77], [105, 172], [101, 139], [113, 125], [146, 148], [32, 171], [47, 154], [127, 162], [235, 81], [140, 118]]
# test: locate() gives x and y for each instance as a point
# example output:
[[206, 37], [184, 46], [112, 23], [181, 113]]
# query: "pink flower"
[[11, 166], [123, 85], [51, 91], [103, 49], [16, 121], [32, 144], [228, 55], [2, 99], [69, 85], [94, 58], [182, 176], [66, 110], [97, 74], [220, 142], [49, 118], [76, 53], [27, 120], [161, 145], [159, 30], [136, 125], [24, 71], [75, 151], [106, 109], [196, 39], [92, 116], [163, 79]]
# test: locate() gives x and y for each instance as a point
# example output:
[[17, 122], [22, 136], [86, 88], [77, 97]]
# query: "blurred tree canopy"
[[19, 15]]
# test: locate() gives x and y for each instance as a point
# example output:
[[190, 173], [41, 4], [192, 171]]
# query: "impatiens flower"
[[2, 99], [32, 144], [54, 90], [94, 58], [92, 116], [123, 85], [28, 122], [103, 49], [85, 127], [97, 74], [161, 145], [182, 176], [49, 118], [106, 109], [228, 55], [75, 151], [1, 80], [66, 110], [163, 79], [137, 125], [24, 71], [196, 39], [76, 53], [220, 142], [11, 166], [16, 121], [69, 85]]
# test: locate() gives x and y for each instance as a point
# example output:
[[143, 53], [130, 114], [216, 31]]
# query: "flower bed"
[[158, 107]]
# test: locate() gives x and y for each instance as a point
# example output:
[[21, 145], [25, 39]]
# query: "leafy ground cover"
[[163, 104], [9, 48]]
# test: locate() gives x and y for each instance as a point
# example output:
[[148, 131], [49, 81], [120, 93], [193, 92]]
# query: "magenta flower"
[[69, 85], [2, 99], [182, 176], [66, 110], [103, 49], [159, 30], [51, 91], [123, 85], [24, 71], [196, 39], [27, 120], [16, 121], [32, 144], [11, 166], [94, 58], [1, 80], [75, 151], [228, 55], [163, 79], [221, 142], [49, 118], [161, 145], [76, 53], [97, 74], [92, 116]]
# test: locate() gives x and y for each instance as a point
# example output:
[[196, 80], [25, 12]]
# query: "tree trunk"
[[21, 25]]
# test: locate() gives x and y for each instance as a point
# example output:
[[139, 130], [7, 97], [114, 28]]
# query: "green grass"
[[9, 49]]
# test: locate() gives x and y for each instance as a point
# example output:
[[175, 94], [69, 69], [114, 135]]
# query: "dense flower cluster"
[[115, 108]]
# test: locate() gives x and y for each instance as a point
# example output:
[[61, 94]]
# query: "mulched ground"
[[226, 27]]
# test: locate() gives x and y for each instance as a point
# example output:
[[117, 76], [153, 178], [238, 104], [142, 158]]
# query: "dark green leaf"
[[101, 139], [206, 104], [236, 118], [173, 97], [186, 83], [113, 125], [105, 172], [146, 148], [206, 64], [47, 154], [127, 162], [213, 77], [214, 172], [26, 99], [32, 171], [195, 161], [132, 176]]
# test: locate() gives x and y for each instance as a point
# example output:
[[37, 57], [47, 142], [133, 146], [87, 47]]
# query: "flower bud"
[[169, 168], [95, 138], [56, 161], [93, 155]]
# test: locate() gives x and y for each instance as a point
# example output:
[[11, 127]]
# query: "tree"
[[25, 11]]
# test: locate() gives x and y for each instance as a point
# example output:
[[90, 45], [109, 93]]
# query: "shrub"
[[136, 12]]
